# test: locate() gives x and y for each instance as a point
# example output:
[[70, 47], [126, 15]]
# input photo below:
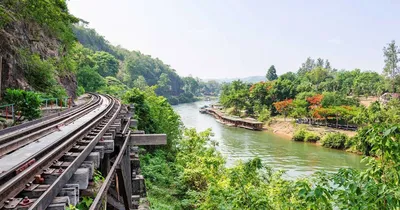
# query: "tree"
[[140, 83], [315, 101], [271, 74], [284, 107], [327, 65], [107, 64], [390, 53], [26, 102], [320, 63], [163, 85], [89, 79], [391, 68], [306, 66]]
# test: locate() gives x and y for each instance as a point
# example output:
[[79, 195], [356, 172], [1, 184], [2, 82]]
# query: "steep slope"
[[134, 64], [35, 39]]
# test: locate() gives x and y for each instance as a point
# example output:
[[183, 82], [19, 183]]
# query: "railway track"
[[18, 136], [35, 182]]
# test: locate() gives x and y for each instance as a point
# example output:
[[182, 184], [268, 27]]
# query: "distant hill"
[[251, 79]]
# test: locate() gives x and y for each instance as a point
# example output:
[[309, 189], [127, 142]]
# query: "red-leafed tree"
[[284, 107], [315, 101]]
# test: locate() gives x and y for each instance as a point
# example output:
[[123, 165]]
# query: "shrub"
[[40, 73], [303, 135], [299, 135], [27, 102], [264, 115], [335, 140], [173, 100], [80, 91], [311, 137]]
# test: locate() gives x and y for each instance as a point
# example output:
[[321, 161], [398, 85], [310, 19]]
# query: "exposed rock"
[[19, 36]]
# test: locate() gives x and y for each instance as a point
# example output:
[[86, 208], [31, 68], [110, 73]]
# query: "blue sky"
[[231, 38]]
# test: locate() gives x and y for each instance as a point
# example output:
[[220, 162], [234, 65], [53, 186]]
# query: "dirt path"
[[287, 128]]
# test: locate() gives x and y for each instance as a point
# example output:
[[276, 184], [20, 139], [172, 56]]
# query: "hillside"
[[139, 70], [35, 43]]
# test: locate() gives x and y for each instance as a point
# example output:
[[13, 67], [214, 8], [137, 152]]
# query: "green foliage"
[[93, 41], [113, 87], [311, 137], [89, 79], [136, 70], [302, 134], [26, 102], [39, 73], [80, 91], [299, 135], [107, 64], [85, 203], [53, 15], [271, 74], [98, 177], [335, 140], [155, 114], [264, 115], [140, 83]]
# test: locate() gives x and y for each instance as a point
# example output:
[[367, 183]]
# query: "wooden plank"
[[133, 123], [137, 132], [148, 139]]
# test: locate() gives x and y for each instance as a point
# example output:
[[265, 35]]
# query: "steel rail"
[[45, 157], [11, 144], [19, 131], [6, 175], [8, 132], [46, 198]]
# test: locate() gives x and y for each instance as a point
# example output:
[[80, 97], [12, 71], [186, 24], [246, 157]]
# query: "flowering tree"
[[315, 101], [284, 107]]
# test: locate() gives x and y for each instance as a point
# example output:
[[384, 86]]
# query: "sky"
[[232, 38]]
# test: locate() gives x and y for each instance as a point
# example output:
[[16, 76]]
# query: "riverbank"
[[287, 128]]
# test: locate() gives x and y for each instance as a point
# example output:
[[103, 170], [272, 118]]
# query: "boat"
[[203, 109]]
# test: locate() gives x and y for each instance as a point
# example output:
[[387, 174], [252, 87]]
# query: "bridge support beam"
[[148, 139]]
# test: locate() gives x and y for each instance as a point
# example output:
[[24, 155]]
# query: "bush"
[[264, 115], [26, 102], [80, 91], [311, 137], [40, 73], [299, 135], [335, 140], [303, 135], [173, 100]]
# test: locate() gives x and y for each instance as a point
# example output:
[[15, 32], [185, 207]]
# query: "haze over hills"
[[250, 79]]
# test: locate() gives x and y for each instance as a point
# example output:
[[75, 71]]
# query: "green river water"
[[298, 159]]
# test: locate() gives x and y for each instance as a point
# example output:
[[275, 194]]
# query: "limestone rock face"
[[30, 37]]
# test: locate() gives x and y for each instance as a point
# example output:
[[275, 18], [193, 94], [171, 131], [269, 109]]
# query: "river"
[[298, 159]]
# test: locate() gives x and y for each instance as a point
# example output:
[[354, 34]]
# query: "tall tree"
[[271, 74], [307, 66], [391, 68], [390, 53], [320, 63]]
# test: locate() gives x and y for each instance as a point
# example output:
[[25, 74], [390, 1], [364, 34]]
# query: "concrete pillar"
[[95, 157], [81, 177]]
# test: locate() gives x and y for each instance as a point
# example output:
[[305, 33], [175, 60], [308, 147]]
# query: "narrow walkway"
[[23, 154]]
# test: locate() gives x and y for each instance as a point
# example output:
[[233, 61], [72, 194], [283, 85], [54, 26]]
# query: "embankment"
[[287, 128]]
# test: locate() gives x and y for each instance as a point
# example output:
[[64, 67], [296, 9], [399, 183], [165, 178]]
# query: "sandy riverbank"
[[286, 128]]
